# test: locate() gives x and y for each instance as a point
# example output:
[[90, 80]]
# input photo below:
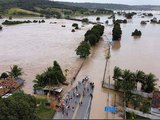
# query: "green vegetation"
[[85, 20], [4, 75], [15, 71], [46, 8], [143, 23], [136, 33], [43, 112], [122, 21], [129, 15], [91, 38], [19, 106], [116, 32], [21, 12], [127, 80], [52, 76], [83, 49], [133, 116], [75, 25], [98, 19], [7, 22]]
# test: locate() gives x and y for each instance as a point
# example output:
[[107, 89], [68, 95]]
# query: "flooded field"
[[135, 53], [34, 47]]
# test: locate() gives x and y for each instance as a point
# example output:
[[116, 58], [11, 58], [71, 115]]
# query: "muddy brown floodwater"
[[34, 47], [135, 53]]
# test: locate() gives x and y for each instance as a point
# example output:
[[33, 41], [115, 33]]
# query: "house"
[[155, 107], [49, 89], [10, 85]]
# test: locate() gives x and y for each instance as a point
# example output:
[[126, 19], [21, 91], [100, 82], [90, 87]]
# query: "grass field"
[[21, 12], [44, 112]]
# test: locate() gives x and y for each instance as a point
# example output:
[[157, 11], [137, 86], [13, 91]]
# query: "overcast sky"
[[129, 2]]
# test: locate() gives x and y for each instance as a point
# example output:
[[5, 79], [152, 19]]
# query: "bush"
[[7, 22], [73, 30], [98, 18], [85, 20], [136, 33], [74, 25]]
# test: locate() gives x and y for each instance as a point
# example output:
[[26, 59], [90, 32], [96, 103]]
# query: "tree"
[[98, 19], [146, 106], [75, 25], [19, 106], [83, 49], [150, 83], [92, 39], [4, 75], [136, 33], [52, 76], [136, 100], [15, 71], [85, 20], [117, 73], [116, 32]]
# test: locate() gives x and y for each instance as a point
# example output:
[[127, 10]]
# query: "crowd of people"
[[72, 99]]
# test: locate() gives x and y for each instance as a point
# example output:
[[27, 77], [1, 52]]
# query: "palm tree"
[[15, 71], [116, 77], [117, 73], [150, 83]]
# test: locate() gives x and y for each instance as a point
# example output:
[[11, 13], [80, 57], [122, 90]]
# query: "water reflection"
[[116, 45], [136, 37]]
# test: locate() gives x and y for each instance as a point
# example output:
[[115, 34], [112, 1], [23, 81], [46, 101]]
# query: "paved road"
[[94, 68], [80, 111]]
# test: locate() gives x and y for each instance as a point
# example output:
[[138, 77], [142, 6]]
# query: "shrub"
[[136, 33]]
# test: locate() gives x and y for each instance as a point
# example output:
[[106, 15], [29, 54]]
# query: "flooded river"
[[34, 47]]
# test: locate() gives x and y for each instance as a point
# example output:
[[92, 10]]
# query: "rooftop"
[[156, 100]]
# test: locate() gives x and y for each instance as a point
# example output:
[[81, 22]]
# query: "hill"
[[44, 7], [112, 6], [21, 12]]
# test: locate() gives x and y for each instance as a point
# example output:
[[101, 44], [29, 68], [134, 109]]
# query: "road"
[[80, 111], [94, 68]]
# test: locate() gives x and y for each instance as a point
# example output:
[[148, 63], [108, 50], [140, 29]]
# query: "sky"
[[128, 2]]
